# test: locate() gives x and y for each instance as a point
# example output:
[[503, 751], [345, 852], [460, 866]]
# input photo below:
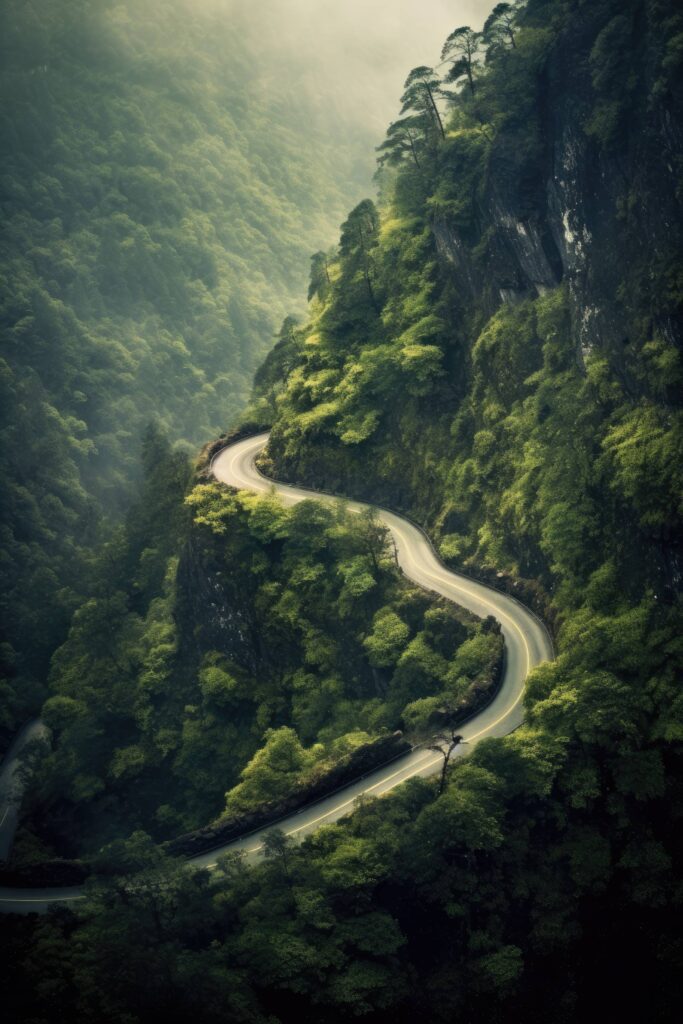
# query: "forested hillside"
[[494, 349], [159, 206], [196, 688]]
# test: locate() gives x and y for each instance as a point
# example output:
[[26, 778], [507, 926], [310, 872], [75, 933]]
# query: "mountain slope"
[[496, 350], [159, 207], [522, 337]]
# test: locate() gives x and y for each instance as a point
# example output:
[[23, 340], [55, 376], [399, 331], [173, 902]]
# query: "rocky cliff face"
[[580, 208], [519, 390], [214, 608]]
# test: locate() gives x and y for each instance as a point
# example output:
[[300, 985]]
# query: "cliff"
[[593, 204], [515, 380]]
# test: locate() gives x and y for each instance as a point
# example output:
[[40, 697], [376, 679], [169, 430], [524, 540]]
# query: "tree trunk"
[[436, 111], [366, 269]]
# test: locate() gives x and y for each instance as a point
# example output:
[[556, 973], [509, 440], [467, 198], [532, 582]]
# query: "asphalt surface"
[[527, 644]]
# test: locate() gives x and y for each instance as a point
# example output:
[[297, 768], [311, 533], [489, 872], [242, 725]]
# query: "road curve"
[[527, 644]]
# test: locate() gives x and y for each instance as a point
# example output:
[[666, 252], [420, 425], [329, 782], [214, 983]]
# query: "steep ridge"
[[527, 644]]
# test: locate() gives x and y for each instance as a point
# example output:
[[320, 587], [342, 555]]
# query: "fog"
[[353, 56]]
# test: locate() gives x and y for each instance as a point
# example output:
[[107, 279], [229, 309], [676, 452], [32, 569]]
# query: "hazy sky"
[[355, 54]]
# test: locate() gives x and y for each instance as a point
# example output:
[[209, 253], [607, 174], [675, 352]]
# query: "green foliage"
[[419, 100], [462, 49], [159, 205], [387, 640], [275, 768], [556, 845], [301, 643], [526, 454], [645, 450], [613, 78], [500, 26]]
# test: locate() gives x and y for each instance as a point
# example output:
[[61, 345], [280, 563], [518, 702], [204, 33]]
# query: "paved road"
[[526, 642]]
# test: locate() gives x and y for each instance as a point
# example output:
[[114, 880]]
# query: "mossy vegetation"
[[158, 207], [495, 348], [283, 640]]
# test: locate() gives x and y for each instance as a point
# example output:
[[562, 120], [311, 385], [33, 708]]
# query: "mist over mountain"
[[168, 169], [350, 57], [304, 759]]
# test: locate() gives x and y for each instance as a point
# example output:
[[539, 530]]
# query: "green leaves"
[[645, 450], [128, 762], [274, 770], [462, 49], [219, 686], [358, 578], [421, 366], [61, 712], [159, 214], [468, 815], [498, 972], [387, 640], [613, 79], [422, 89]]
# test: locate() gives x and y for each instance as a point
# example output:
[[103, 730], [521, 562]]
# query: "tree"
[[462, 48], [231, 866], [420, 91], [319, 283], [445, 743], [372, 535], [404, 138], [358, 237], [498, 27], [273, 770], [387, 640], [277, 845]]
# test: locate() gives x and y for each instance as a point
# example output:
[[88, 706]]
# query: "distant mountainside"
[[159, 208]]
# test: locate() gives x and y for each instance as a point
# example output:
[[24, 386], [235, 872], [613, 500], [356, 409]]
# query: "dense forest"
[[494, 348], [159, 204], [200, 687]]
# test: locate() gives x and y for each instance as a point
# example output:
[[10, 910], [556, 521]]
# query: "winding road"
[[527, 644]]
